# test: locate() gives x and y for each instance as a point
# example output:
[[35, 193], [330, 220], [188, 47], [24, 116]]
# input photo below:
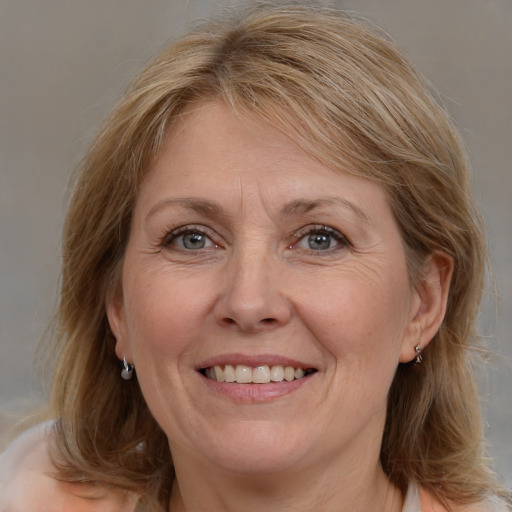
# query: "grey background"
[[64, 63]]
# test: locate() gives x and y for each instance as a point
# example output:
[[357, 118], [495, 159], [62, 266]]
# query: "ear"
[[429, 304], [117, 320]]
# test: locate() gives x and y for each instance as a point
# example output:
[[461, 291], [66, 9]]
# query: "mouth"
[[261, 374]]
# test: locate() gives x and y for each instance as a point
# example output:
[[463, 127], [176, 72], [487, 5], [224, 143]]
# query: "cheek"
[[355, 317], [163, 333], [361, 323], [162, 320], [362, 327]]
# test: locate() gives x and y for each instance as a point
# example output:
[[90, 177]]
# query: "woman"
[[272, 266]]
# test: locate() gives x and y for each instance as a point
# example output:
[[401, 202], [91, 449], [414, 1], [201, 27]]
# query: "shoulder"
[[430, 504], [28, 483], [28, 451]]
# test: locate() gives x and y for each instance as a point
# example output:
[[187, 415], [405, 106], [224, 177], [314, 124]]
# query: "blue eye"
[[322, 239], [188, 239], [194, 241]]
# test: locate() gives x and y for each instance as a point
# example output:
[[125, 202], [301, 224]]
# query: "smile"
[[262, 374]]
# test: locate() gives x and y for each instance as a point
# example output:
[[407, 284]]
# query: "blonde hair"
[[341, 89]]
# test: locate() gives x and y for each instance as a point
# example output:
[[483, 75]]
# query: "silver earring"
[[419, 357], [127, 371]]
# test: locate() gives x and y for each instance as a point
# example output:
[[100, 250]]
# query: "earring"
[[419, 357], [127, 371]]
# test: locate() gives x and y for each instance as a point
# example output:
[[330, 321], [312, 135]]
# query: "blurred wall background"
[[63, 65]]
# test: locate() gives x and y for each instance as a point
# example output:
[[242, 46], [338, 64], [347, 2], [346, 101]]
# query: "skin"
[[260, 290]]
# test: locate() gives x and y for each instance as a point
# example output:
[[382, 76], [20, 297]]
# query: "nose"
[[252, 298]]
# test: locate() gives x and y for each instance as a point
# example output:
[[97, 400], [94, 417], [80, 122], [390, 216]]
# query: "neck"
[[330, 489]]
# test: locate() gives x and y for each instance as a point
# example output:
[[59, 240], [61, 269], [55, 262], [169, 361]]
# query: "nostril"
[[257, 326]]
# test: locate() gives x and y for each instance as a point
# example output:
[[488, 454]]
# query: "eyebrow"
[[301, 206], [202, 206], [211, 208]]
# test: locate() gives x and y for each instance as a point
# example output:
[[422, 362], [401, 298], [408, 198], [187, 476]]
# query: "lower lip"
[[255, 393]]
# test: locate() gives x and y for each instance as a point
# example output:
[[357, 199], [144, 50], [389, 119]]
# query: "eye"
[[188, 239], [194, 241], [321, 238]]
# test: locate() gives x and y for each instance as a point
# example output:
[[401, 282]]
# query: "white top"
[[412, 499]]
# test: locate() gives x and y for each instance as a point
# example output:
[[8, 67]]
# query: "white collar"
[[412, 501]]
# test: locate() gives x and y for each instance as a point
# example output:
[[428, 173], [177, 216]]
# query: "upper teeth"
[[263, 374]]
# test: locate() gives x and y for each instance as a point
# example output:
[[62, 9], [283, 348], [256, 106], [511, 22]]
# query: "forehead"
[[212, 151], [214, 129]]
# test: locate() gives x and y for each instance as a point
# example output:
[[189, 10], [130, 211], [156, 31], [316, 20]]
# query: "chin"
[[256, 462], [254, 448]]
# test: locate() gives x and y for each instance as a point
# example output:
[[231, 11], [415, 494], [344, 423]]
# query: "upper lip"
[[253, 361]]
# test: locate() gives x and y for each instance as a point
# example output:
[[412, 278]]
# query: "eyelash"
[[171, 236], [342, 242]]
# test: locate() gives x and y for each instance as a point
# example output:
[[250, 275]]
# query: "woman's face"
[[250, 261]]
